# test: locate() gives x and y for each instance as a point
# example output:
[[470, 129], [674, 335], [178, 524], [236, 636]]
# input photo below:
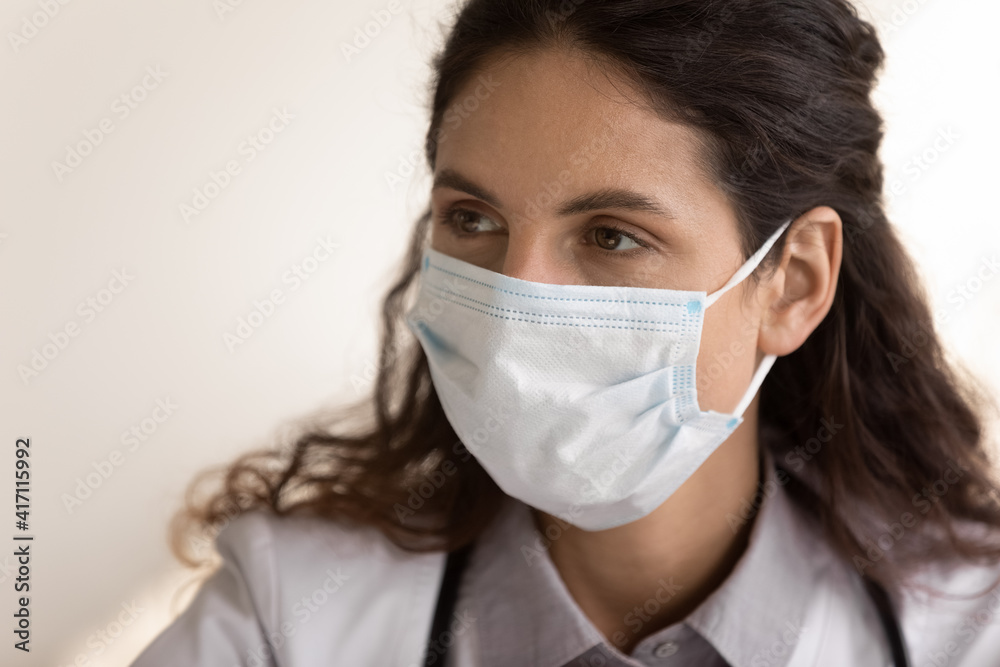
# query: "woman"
[[641, 209]]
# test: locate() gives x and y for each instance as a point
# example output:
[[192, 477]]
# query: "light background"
[[324, 175]]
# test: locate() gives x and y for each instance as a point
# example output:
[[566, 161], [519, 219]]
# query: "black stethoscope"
[[436, 652]]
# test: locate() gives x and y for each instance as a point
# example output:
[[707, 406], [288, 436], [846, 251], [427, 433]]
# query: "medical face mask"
[[578, 400]]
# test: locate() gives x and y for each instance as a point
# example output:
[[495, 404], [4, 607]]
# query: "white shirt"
[[301, 591], [755, 616]]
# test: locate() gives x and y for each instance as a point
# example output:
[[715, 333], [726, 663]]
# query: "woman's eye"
[[466, 221], [611, 238]]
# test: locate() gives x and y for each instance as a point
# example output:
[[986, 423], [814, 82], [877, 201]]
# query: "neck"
[[668, 561]]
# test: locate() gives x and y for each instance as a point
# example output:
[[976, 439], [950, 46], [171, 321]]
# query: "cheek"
[[443, 240], [437, 241], [727, 356]]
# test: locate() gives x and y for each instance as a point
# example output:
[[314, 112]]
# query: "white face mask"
[[578, 400]]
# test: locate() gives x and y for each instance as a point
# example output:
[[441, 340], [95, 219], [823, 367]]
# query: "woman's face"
[[549, 171]]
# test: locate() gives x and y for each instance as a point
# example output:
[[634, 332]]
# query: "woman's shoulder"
[[950, 611], [309, 589], [301, 563], [261, 538], [947, 612]]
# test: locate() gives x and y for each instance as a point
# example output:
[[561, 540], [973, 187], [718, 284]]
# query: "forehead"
[[557, 115]]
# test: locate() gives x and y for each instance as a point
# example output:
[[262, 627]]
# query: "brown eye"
[[609, 238], [466, 221]]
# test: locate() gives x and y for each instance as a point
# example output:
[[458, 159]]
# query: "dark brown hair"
[[780, 92]]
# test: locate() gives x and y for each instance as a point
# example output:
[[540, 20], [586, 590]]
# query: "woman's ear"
[[800, 291]]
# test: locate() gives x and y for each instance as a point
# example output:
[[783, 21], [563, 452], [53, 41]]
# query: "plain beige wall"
[[344, 125]]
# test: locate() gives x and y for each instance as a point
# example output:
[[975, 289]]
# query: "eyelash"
[[447, 218]]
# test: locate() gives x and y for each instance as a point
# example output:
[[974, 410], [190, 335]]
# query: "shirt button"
[[665, 650]]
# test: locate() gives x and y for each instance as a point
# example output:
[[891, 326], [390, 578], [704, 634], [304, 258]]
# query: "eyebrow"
[[617, 198]]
